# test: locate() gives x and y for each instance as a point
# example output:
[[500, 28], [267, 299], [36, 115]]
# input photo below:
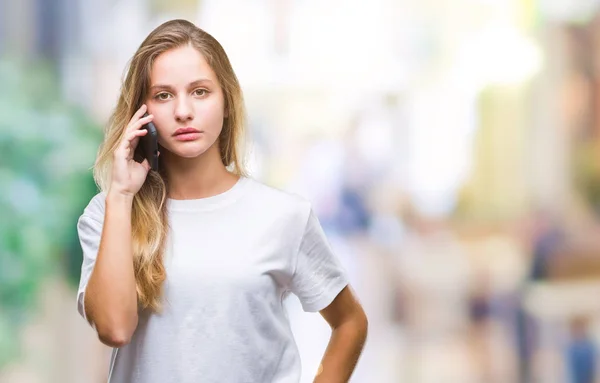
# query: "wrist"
[[115, 195]]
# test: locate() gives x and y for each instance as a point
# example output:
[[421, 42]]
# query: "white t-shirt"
[[231, 260]]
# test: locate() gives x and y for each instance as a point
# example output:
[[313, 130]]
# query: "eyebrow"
[[190, 85]]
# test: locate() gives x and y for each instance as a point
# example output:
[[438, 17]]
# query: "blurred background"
[[450, 149]]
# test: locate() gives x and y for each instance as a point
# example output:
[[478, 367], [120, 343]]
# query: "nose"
[[184, 110]]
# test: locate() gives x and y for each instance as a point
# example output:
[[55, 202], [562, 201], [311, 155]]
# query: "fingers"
[[133, 132], [136, 133], [130, 137], [146, 164], [133, 137], [136, 125], [137, 115], [130, 142]]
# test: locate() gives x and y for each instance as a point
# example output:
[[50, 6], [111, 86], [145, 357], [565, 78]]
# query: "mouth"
[[187, 134], [188, 130]]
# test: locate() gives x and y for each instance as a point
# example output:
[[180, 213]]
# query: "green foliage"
[[47, 149]]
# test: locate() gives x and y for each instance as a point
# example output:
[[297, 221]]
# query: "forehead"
[[179, 66]]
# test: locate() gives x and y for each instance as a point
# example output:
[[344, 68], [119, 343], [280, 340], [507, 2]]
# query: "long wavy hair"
[[149, 215]]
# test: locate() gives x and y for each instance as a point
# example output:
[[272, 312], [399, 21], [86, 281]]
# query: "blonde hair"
[[149, 216]]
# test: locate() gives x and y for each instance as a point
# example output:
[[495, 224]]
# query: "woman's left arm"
[[348, 322]]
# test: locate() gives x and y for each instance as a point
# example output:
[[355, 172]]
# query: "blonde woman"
[[185, 268]]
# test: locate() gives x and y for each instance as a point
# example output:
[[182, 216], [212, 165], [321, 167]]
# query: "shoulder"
[[90, 222], [95, 208], [279, 201]]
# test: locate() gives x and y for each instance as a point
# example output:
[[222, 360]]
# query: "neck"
[[200, 177]]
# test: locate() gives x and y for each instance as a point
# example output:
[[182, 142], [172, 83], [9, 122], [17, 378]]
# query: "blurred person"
[[546, 236], [581, 352], [480, 316], [353, 216], [185, 268]]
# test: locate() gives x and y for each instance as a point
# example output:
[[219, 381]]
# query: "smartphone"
[[148, 145]]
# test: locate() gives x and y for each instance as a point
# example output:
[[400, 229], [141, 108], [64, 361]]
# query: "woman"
[[185, 268]]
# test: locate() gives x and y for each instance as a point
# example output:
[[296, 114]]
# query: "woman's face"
[[186, 101]]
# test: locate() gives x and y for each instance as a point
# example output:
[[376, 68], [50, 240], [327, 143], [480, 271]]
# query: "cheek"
[[161, 121], [210, 116]]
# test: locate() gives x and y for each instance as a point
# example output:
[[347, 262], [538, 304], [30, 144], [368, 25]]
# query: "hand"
[[128, 175]]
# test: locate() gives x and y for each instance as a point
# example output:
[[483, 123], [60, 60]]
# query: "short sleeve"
[[89, 230], [318, 276]]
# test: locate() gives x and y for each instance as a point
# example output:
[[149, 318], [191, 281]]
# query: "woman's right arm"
[[110, 302], [111, 298]]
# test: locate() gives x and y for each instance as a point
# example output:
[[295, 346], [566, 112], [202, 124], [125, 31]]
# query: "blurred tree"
[[587, 172], [46, 151]]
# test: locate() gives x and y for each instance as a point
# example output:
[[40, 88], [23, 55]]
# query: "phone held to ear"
[[148, 145]]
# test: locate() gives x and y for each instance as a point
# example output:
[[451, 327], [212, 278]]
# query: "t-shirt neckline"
[[209, 203]]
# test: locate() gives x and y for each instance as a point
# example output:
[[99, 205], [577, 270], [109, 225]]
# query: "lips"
[[187, 134], [181, 131]]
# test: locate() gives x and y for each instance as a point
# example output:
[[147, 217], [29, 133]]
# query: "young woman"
[[185, 268]]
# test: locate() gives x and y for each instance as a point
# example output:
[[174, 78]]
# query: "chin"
[[187, 151]]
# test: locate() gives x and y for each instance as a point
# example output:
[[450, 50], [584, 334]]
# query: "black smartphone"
[[148, 145]]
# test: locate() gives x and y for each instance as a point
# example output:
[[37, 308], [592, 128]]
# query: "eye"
[[200, 92], [162, 96]]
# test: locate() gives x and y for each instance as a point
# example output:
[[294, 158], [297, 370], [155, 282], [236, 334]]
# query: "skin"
[[185, 92], [349, 325]]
